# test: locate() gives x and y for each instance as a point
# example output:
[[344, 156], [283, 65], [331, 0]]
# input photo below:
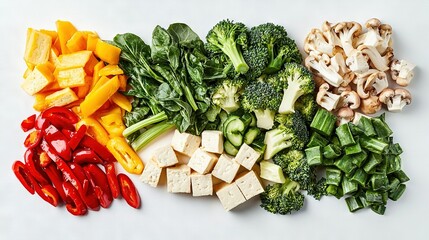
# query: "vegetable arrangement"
[[243, 106]]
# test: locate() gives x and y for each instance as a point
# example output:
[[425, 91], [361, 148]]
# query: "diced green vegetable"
[[229, 148], [393, 163], [381, 127], [333, 176], [401, 176], [345, 164], [314, 156], [344, 135], [317, 140], [360, 176], [374, 197], [358, 159], [379, 181], [396, 193], [272, 172], [373, 160], [349, 186], [323, 122], [373, 144], [331, 151], [353, 203], [352, 149], [251, 134], [378, 208], [365, 124]]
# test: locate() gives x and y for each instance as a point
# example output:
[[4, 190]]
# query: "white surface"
[[175, 216]]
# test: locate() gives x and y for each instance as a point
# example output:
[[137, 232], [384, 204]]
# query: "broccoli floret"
[[295, 166], [257, 58], [261, 98], [294, 80], [229, 37], [282, 198], [288, 53], [317, 189], [307, 105], [283, 137], [296, 119], [226, 94], [280, 48]]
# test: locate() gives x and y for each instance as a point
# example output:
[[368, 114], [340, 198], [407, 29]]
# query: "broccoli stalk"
[[298, 81], [282, 198], [281, 138], [225, 36], [264, 118]]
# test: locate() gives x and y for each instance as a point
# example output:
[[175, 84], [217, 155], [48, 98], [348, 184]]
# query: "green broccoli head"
[[226, 94], [287, 53], [295, 166], [282, 198], [262, 99], [307, 105], [317, 189], [256, 56], [283, 137], [294, 80], [229, 38]]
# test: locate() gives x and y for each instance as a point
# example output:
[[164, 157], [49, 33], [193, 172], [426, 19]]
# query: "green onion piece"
[[317, 140], [396, 193], [373, 197], [393, 183], [359, 158], [378, 208], [323, 122], [349, 186], [344, 135], [360, 177], [362, 199], [353, 149], [335, 191], [401, 176], [333, 176], [365, 124], [393, 163], [314, 156], [373, 144], [381, 127], [345, 164], [331, 151], [379, 181], [353, 203], [373, 160]]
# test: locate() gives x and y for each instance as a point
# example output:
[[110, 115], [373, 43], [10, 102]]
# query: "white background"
[[168, 216]]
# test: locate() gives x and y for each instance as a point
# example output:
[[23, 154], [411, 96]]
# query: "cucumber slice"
[[247, 119], [251, 135], [234, 132], [229, 148], [226, 122], [253, 122]]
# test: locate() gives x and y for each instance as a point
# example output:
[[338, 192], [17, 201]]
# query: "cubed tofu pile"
[[68, 67], [208, 169]]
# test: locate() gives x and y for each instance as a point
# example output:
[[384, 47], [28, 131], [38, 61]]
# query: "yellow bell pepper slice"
[[121, 101], [112, 121], [97, 97], [95, 130], [125, 155]]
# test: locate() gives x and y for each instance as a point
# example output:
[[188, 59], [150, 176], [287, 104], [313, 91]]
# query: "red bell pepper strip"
[[87, 194], [129, 191], [83, 156], [48, 193], [101, 150], [58, 142], [74, 203], [56, 179], [112, 179], [68, 175], [77, 137], [33, 139], [23, 175], [61, 117], [34, 169], [41, 123], [28, 123], [99, 181], [48, 150], [44, 159]]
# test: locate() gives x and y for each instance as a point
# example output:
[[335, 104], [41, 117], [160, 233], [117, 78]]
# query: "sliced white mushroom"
[[346, 32], [350, 99], [370, 105], [345, 115], [357, 62], [402, 72], [315, 41], [395, 100], [386, 38], [330, 35], [326, 99], [379, 62], [328, 74], [372, 36], [377, 81]]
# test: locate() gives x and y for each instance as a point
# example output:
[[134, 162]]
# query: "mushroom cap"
[[377, 81], [345, 115], [351, 99], [341, 89], [386, 95], [373, 23], [370, 105], [405, 94]]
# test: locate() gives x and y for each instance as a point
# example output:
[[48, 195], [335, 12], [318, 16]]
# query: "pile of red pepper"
[[64, 165]]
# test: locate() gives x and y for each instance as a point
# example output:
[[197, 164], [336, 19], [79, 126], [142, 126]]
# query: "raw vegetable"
[[282, 198]]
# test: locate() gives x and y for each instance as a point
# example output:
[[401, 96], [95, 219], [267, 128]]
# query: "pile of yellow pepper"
[[78, 70]]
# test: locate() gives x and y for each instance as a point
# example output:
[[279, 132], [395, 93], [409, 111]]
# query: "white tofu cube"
[[202, 185], [249, 185], [165, 156], [230, 196], [179, 179], [226, 168], [247, 156], [202, 161], [151, 174], [185, 143], [212, 141]]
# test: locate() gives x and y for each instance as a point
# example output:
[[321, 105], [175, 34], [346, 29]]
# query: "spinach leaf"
[[183, 33], [138, 114]]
